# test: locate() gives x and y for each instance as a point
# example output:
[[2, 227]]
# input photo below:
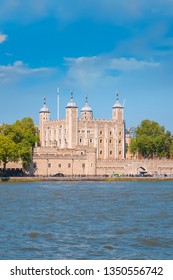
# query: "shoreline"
[[83, 179]]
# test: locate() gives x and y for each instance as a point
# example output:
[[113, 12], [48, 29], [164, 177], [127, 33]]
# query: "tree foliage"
[[8, 150], [20, 138], [151, 140]]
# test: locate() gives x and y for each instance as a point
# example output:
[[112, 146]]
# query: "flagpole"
[[58, 103]]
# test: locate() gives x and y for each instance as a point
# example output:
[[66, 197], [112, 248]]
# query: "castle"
[[84, 146], [80, 145]]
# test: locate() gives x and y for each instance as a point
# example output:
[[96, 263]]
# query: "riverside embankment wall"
[[156, 166], [76, 165]]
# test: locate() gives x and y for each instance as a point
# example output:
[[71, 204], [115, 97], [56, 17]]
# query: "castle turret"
[[71, 123], [118, 111], [119, 129], [86, 112], [44, 116]]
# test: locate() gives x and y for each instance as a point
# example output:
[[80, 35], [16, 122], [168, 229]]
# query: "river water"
[[86, 220]]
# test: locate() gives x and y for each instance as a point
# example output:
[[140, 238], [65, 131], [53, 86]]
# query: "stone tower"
[[119, 129], [86, 112], [118, 111], [44, 116], [71, 123]]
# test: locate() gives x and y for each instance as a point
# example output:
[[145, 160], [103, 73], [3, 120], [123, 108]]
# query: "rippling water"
[[86, 220]]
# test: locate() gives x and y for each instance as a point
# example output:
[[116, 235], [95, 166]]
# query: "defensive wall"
[[155, 166], [81, 163], [84, 162]]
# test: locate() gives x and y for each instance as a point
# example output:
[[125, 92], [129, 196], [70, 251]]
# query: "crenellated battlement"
[[106, 136]]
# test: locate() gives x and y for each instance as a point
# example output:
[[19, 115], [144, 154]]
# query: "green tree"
[[133, 146], [26, 130], [24, 135], [171, 149], [8, 151], [151, 140]]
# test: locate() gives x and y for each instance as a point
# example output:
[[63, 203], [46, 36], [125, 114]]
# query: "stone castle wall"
[[83, 162], [67, 161], [86, 146], [134, 167]]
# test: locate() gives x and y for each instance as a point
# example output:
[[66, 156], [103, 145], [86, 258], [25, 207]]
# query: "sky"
[[94, 48]]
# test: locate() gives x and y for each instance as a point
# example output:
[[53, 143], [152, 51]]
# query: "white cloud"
[[3, 37], [19, 68], [124, 64], [113, 10], [8, 54], [96, 67]]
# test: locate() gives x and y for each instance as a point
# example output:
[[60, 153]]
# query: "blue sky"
[[91, 47]]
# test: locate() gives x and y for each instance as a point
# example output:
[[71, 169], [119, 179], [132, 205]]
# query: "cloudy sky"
[[91, 47]]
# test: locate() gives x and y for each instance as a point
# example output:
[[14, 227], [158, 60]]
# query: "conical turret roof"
[[44, 109], [71, 103], [117, 104], [86, 107]]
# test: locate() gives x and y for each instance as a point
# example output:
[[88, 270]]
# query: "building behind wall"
[[80, 145], [130, 135]]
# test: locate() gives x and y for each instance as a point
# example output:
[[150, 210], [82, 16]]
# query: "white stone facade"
[[74, 145]]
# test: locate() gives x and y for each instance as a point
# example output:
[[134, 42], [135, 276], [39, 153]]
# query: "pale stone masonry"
[[77, 145], [87, 147]]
